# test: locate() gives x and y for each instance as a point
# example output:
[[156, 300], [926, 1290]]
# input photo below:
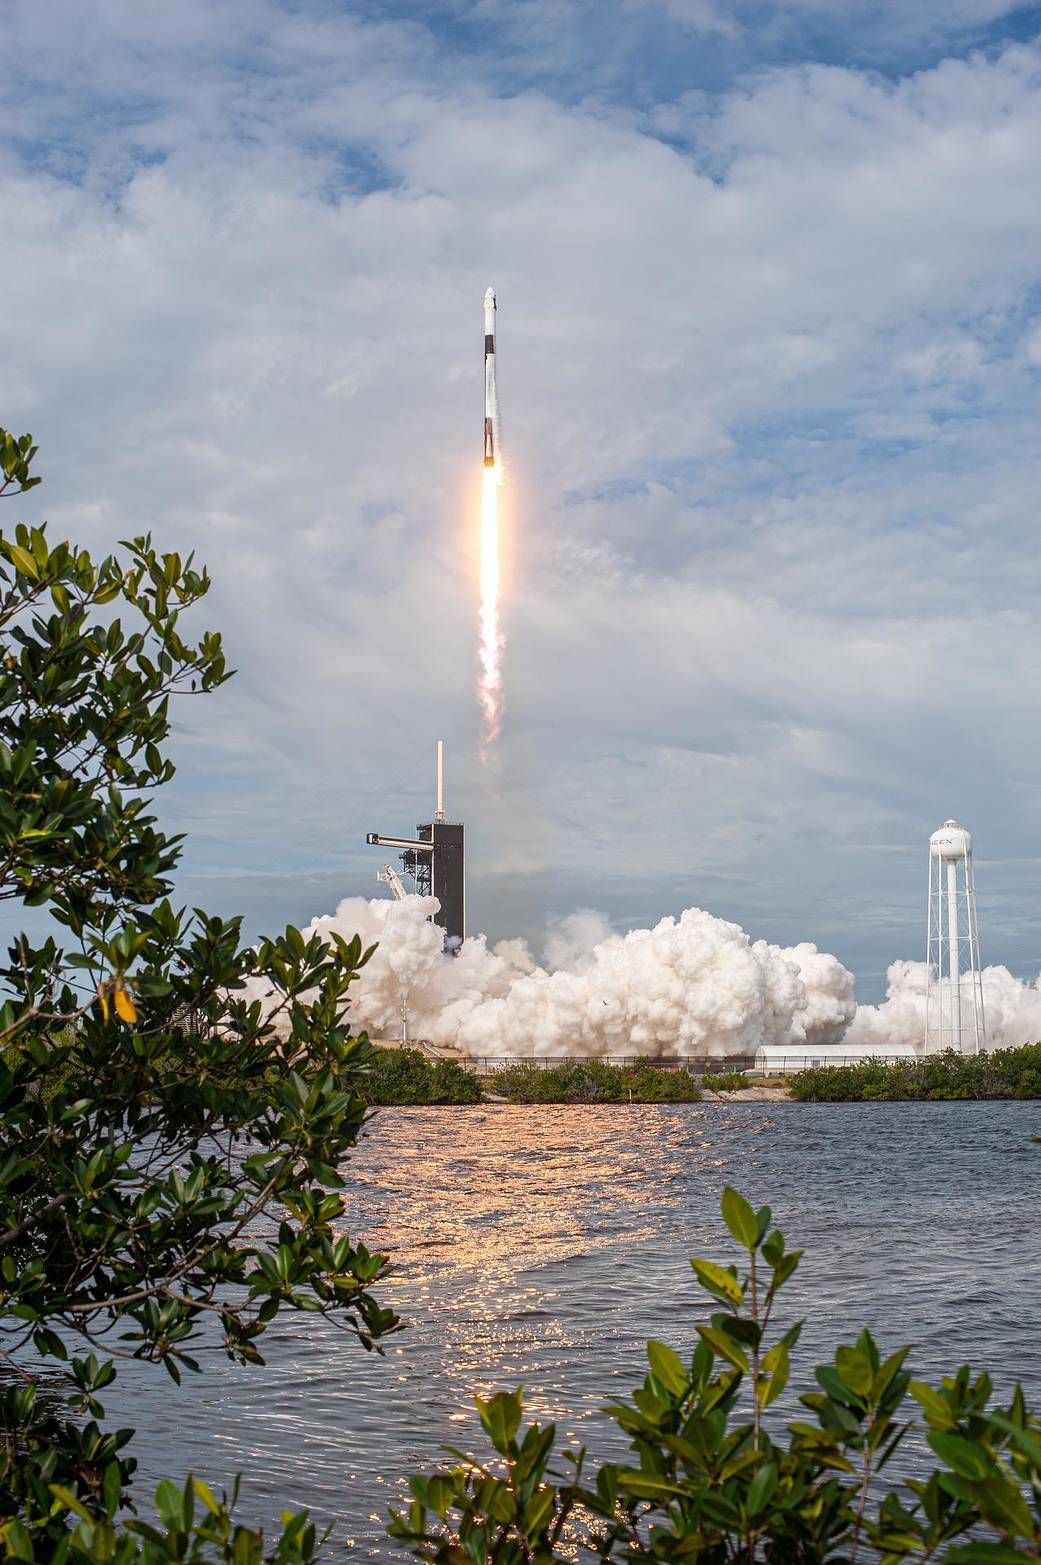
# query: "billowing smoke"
[[570, 942], [515, 954], [830, 1006], [1012, 1010], [691, 986]]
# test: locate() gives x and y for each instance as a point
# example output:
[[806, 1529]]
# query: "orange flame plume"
[[489, 687]]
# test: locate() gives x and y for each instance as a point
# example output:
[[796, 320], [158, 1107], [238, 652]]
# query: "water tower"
[[953, 986]]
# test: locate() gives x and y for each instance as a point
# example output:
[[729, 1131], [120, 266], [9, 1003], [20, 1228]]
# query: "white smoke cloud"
[[571, 941], [830, 1003], [692, 986], [516, 954], [1012, 1010]]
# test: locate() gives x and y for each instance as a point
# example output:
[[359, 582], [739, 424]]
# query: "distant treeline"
[[1005, 1073], [403, 1076], [593, 1081]]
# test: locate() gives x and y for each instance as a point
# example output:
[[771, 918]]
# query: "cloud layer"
[[770, 340]]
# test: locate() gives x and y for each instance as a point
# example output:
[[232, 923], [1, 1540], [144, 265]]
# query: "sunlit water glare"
[[544, 1245]]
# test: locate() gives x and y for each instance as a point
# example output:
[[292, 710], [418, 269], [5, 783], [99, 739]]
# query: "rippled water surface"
[[544, 1245]]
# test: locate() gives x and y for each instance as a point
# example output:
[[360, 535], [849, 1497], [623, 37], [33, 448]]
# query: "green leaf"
[[718, 1281], [538, 1511], [962, 1456], [854, 1370], [667, 1366], [828, 1379], [205, 1494], [784, 1269], [761, 1489], [740, 1218], [773, 1247], [1002, 1504], [17, 1541], [607, 1488], [48, 1342], [112, 1487], [1029, 1445], [646, 1487], [742, 1328], [24, 561], [440, 1493], [169, 1505], [937, 1408], [723, 1347], [500, 1415], [777, 1365], [247, 1547], [69, 1500]]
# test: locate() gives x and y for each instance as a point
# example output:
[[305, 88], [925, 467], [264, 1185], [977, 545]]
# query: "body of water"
[[543, 1245]]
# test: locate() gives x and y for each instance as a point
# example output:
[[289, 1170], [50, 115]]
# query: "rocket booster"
[[491, 395]]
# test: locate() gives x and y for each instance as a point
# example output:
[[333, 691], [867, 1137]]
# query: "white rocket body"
[[491, 395]]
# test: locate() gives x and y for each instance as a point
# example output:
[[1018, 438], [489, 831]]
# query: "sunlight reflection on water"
[[543, 1245]]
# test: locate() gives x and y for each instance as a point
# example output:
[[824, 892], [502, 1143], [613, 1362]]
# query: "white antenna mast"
[[439, 813]]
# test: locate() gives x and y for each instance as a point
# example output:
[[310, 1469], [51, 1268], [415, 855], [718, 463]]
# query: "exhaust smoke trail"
[[490, 648], [489, 689]]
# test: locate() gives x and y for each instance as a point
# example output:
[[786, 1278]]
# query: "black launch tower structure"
[[435, 860]]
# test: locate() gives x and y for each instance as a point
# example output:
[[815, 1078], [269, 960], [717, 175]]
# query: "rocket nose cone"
[[489, 298]]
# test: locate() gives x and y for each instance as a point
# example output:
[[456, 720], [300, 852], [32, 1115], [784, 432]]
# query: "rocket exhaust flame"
[[489, 689], [491, 641]]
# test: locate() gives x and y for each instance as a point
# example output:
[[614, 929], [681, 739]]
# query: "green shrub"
[[948, 1077], [716, 1479], [407, 1076], [594, 1081], [169, 1148], [725, 1081]]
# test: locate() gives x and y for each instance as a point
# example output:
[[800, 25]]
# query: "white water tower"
[[953, 986]]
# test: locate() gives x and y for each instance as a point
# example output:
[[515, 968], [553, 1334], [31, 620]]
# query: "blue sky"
[[770, 348]]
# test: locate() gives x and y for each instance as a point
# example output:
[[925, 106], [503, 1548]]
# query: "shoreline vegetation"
[[949, 1077], [408, 1077]]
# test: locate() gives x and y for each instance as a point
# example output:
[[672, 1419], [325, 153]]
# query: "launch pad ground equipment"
[[435, 860]]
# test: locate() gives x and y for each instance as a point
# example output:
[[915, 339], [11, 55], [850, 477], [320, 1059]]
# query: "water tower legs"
[[954, 954]]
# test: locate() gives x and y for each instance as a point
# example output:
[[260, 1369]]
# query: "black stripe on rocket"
[[490, 408]]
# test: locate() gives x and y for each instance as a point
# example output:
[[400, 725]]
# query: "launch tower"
[[435, 860], [953, 985]]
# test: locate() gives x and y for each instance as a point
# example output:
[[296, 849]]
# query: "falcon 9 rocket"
[[491, 396], [489, 686]]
